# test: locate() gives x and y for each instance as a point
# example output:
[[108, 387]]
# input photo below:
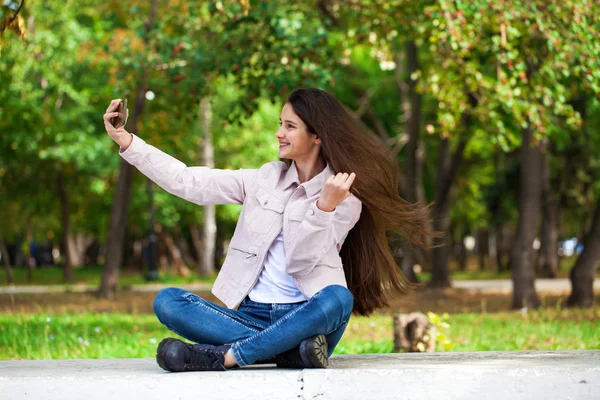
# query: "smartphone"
[[120, 120]]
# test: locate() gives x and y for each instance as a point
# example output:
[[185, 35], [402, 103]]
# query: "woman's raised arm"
[[199, 185]]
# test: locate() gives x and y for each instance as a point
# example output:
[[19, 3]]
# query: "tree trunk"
[[197, 244], [79, 244], [175, 253], [182, 244], [582, 274], [492, 250], [407, 262], [10, 278], [120, 207], [447, 169], [66, 227], [209, 231], [497, 249], [462, 251], [28, 259], [413, 168], [116, 232], [548, 260], [482, 247], [446, 173], [92, 252], [440, 276], [162, 251], [521, 262], [499, 233]]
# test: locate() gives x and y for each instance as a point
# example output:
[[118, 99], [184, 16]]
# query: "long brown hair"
[[371, 272]]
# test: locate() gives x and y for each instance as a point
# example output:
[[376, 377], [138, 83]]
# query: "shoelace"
[[205, 358]]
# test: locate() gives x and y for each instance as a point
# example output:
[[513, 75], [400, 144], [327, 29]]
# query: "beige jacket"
[[272, 199]]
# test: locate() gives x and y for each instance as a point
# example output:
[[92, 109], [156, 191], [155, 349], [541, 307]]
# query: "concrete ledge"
[[483, 375]]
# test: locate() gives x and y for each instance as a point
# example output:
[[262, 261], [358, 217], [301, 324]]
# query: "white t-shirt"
[[274, 284]]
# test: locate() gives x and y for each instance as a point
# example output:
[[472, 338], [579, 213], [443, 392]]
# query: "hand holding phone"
[[120, 120], [115, 119]]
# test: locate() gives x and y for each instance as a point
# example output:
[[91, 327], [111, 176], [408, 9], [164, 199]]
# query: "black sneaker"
[[178, 356], [311, 353]]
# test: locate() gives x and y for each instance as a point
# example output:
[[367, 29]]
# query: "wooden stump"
[[413, 333]]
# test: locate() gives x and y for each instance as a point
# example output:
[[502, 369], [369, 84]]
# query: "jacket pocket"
[[263, 211], [247, 253], [240, 261]]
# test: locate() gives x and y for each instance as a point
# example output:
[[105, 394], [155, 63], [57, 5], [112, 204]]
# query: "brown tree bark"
[[116, 232], [548, 262], [197, 245], [209, 228], [462, 251], [66, 227], [78, 245], [120, 206], [10, 278], [183, 245], [28, 258], [492, 250], [521, 259], [181, 269], [447, 169], [413, 168], [499, 233], [583, 273], [482, 248]]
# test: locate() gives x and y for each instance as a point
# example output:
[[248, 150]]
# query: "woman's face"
[[295, 143]]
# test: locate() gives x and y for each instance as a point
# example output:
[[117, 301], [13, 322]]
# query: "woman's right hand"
[[119, 135]]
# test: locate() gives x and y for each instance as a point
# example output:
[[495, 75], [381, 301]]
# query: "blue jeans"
[[256, 331]]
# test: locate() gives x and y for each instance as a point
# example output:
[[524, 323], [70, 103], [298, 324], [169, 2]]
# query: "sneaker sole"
[[317, 350], [160, 353]]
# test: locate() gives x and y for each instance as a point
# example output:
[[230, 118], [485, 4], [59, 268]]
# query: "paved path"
[[505, 285], [497, 285], [80, 288], [484, 375]]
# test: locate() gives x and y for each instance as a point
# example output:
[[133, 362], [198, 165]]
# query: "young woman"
[[310, 246]]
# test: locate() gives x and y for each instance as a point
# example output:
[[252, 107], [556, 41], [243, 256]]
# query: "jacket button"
[[266, 201], [311, 212]]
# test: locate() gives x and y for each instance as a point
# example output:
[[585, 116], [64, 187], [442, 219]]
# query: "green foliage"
[[441, 334], [534, 64]]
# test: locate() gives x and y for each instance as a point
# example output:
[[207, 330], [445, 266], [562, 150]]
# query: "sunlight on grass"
[[117, 335]]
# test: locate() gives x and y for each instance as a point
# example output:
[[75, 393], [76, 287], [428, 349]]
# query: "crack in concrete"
[[301, 380]]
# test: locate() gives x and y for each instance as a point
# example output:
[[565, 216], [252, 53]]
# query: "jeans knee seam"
[[253, 326], [338, 327]]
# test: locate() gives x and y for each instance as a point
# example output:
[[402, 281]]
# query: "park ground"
[[79, 325]]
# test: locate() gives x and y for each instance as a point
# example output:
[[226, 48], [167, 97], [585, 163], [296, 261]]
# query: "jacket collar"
[[312, 186]]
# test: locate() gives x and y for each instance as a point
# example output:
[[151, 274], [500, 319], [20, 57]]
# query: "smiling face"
[[295, 142]]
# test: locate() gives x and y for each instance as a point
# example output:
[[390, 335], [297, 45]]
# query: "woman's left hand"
[[335, 190]]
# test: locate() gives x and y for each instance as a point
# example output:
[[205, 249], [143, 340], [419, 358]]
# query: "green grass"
[[101, 335], [550, 329], [92, 275]]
